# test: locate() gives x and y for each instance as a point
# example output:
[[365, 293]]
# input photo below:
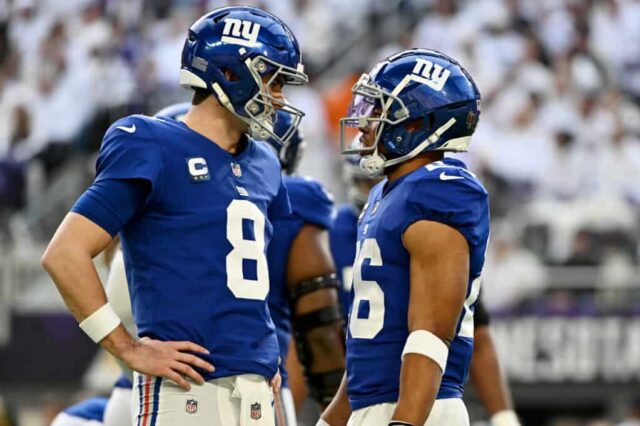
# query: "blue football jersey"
[[310, 203], [195, 255], [443, 192], [89, 409], [343, 238]]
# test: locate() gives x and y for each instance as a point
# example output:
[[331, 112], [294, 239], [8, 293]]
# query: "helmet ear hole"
[[229, 75], [414, 125]]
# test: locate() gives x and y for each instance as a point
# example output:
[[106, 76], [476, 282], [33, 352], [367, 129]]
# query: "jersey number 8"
[[243, 249]]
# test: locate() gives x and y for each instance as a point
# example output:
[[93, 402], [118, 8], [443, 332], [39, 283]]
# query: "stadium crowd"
[[558, 145]]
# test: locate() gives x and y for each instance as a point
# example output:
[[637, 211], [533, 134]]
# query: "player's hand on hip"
[[276, 382], [168, 359]]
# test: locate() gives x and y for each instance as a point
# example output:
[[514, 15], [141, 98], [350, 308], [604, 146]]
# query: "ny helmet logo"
[[237, 31], [432, 75]]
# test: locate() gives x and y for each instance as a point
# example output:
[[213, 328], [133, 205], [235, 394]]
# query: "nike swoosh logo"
[[128, 129], [444, 176]]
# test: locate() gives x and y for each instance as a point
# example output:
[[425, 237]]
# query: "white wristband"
[[505, 418], [425, 343], [100, 323], [322, 422]]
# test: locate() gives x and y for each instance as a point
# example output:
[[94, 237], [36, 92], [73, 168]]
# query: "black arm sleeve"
[[480, 316]]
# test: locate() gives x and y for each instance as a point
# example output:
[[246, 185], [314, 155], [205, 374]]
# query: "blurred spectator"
[[511, 273], [566, 176], [558, 143]]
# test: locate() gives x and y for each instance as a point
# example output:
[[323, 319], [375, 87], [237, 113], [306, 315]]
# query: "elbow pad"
[[322, 386]]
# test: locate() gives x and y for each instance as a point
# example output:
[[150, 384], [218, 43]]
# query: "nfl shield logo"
[[256, 411], [192, 406], [235, 168]]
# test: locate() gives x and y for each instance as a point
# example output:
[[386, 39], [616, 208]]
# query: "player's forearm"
[[69, 261], [322, 342], [339, 410], [76, 278], [419, 383], [486, 375]]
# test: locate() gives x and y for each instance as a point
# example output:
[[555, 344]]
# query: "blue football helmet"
[[423, 101], [174, 111], [228, 53], [291, 145]]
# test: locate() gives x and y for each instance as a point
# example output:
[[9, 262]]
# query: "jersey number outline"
[[241, 287], [370, 291]]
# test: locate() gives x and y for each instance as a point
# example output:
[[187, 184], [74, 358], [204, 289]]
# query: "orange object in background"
[[336, 101]]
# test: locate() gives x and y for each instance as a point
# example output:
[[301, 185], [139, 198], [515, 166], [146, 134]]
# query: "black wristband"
[[399, 423]]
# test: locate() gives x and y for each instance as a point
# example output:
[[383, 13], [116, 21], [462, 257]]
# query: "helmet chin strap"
[[373, 165], [260, 131], [257, 130]]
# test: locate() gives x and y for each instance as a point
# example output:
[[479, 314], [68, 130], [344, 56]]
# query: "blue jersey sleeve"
[[111, 203], [129, 151], [280, 206], [459, 203], [310, 201]]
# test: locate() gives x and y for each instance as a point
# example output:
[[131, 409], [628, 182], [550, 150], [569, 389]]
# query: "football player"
[[88, 412], [119, 409], [193, 202], [298, 255], [421, 240], [486, 375], [304, 288], [485, 372]]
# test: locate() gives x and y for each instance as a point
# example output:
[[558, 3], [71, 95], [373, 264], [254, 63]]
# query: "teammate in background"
[[88, 412], [119, 409], [193, 202], [304, 287], [421, 244], [485, 373]]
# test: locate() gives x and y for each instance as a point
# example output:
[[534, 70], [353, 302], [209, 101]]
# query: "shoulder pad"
[[449, 195], [129, 150], [134, 126], [310, 200]]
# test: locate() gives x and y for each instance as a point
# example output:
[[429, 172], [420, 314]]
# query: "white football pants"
[[289, 407], [244, 400], [445, 412], [119, 409], [64, 419]]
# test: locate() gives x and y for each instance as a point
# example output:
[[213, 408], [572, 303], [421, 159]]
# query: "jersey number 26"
[[371, 292]]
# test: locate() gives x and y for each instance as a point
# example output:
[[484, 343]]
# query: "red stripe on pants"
[[147, 397]]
